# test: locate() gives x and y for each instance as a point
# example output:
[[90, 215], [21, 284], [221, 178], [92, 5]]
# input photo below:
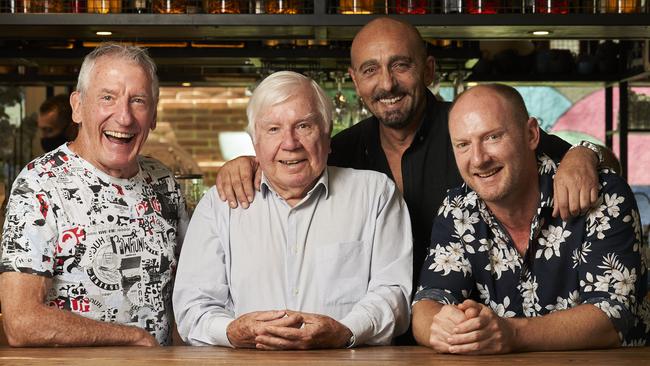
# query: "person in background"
[[502, 274], [321, 258], [407, 137], [89, 246], [55, 122]]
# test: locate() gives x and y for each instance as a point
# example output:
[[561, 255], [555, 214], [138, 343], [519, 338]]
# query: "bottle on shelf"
[[412, 6], [552, 6], [283, 6], [140, 6], [221, 6], [45, 6], [451, 6], [482, 6], [621, 6], [356, 7], [169, 6], [104, 6], [77, 6]]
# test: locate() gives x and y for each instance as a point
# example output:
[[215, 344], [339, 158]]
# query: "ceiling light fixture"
[[104, 33], [186, 84], [541, 33]]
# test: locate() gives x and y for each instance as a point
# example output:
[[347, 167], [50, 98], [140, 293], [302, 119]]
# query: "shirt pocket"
[[343, 272]]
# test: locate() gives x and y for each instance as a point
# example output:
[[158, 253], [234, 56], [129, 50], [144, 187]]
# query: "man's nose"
[[124, 113], [387, 79], [289, 139], [479, 155]]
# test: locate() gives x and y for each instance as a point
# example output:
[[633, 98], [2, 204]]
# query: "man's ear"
[[354, 78], [75, 103], [429, 70], [155, 119], [532, 129]]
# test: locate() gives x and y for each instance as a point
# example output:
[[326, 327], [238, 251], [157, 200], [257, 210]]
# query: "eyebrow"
[[310, 117]]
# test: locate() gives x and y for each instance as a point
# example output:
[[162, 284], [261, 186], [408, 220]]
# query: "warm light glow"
[[186, 84], [104, 33], [541, 33]]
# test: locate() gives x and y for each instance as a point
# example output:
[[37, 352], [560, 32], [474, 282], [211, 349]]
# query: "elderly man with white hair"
[[89, 244], [321, 259]]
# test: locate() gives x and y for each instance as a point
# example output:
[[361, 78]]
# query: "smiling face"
[[391, 71], [115, 113], [494, 148], [291, 145]]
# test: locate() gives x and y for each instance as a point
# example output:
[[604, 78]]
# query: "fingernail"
[[233, 204]]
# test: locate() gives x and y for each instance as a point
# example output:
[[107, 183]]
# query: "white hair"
[[277, 88], [121, 51]]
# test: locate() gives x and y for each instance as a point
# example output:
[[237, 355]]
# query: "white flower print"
[[611, 311], [551, 240], [611, 203], [465, 222], [579, 255], [483, 293], [500, 309]]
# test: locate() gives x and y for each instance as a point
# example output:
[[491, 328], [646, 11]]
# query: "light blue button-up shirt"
[[345, 251]]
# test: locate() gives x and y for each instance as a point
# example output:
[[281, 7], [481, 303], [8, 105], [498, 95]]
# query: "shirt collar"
[[323, 181]]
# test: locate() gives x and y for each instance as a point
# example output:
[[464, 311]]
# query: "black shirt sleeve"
[[552, 146]]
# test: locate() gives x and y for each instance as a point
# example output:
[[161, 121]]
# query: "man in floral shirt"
[[502, 275]]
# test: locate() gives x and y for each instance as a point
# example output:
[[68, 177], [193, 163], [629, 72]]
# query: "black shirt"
[[428, 166]]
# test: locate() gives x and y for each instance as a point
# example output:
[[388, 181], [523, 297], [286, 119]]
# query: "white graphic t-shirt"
[[110, 245]]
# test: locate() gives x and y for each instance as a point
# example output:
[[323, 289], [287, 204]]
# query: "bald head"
[[388, 29], [493, 98]]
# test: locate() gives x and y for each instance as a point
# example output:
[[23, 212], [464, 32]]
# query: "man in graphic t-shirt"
[[89, 246]]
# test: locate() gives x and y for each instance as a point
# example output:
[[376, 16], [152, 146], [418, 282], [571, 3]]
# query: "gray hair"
[[277, 88], [122, 51]]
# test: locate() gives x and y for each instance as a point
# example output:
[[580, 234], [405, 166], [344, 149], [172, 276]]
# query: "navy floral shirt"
[[598, 258]]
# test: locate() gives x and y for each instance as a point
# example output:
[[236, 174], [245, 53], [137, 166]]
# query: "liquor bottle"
[[482, 6], [46, 6], [169, 6], [104, 6], [356, 6], [552, 6], [140, 6], [412, 6], [622, 6], [452, 6], [16, 6], [283, 6], [221, 6], [77, 6]]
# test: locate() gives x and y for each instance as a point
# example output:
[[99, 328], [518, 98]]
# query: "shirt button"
[[295, 292]]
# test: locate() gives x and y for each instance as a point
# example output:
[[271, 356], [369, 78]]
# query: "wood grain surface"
[[100, 356]]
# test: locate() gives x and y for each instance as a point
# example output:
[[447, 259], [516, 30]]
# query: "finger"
[[574, 201], [269, 315], [585, 201], [594, 197], [238, 187], [258, 178], [464, 338], [468, 326], [282, 332], [247, 176], [293, 320], [271, 343], [219, 184], [228, 191], [468, 348], [561, 201]]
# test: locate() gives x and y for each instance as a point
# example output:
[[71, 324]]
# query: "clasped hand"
[[284, 329], [470, 328]]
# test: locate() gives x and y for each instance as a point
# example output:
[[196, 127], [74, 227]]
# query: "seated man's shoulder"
[[154, 166], [461, 197], [46, 167], [359, 179], [611, 182]]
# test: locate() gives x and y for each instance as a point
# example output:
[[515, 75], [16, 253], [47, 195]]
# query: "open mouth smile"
[[488, 173], [119, 137]]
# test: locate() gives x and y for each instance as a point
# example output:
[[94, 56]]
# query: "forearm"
[[423, 313], [582, 327], [47, 326]]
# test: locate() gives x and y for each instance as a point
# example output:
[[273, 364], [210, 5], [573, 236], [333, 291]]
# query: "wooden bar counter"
[[124, 356]]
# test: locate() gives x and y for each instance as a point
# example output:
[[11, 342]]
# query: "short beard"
[[395, 120]]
